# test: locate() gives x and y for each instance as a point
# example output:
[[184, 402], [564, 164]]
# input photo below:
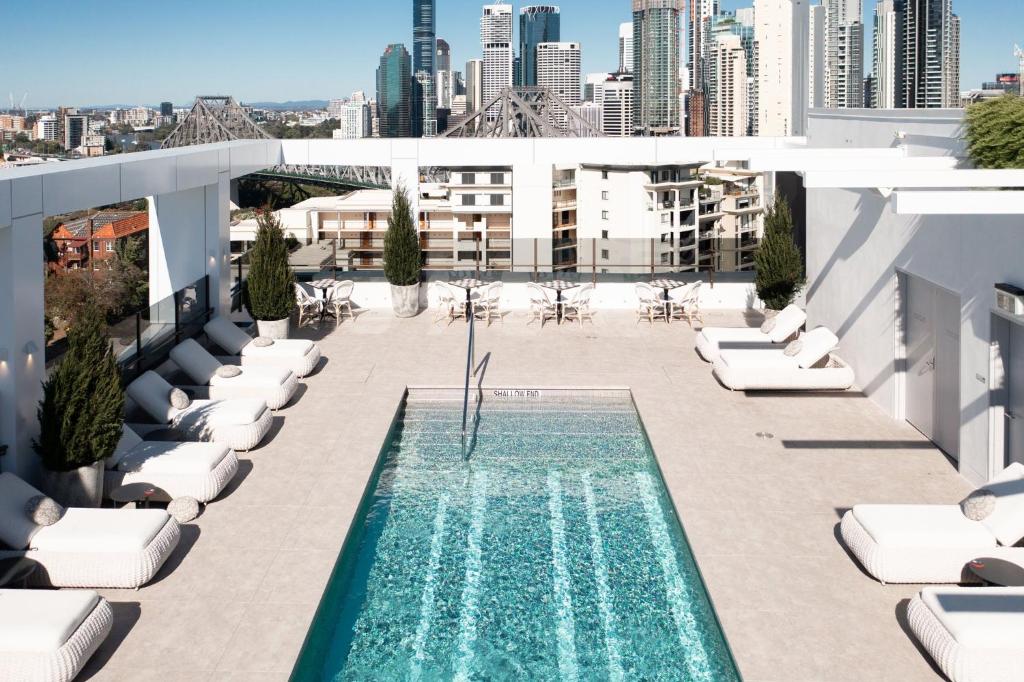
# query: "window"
[[604, 234], [467, 255], [604, 254], [110, 247], [497, 178], [96, 247], [604, 175], [664, 217], [497, 200], [666, 259], [604, 195], [469, 200], [469, 178], [604, 215]]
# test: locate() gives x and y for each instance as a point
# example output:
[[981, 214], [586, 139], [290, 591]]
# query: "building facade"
[[701, 12], [88, 242], [930, 54], [537, 24], [844, 54], [886, 61], [728, 110], [496, 40], [626, 47], [394, 85], [781, 34], [617, 105], [656, 50], [816, 57], [558, 69], [474, 85]]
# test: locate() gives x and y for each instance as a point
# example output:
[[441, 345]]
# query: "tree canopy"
[[995, 132]]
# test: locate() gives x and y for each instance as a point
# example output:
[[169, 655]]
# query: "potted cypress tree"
[[779, 264], [81, 414], [402, 258], [270, 286]]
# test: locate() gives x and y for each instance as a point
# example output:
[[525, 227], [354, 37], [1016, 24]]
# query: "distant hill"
[[299, 105]]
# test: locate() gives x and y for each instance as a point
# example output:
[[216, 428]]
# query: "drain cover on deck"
[[764, 435]]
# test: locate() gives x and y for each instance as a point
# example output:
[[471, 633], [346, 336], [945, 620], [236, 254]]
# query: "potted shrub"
[[270, 286], [778, 261], [402, 258], [80, 415]]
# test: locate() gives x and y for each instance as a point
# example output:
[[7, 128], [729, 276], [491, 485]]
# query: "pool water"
[[551, 552]]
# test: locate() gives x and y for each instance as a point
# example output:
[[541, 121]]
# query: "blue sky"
[[146, 52]]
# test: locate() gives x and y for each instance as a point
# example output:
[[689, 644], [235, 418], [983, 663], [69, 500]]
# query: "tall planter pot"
[[273, 329], [405, 301], [81, 487]]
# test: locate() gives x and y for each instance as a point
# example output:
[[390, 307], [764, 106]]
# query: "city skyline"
[[177, 73]]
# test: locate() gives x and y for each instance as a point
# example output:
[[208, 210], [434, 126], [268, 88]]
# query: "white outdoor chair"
[[447, 308], [578, 307], [651, 304], [541, 306], [339, 299], [309, 306], [488, 305], [685, 305]]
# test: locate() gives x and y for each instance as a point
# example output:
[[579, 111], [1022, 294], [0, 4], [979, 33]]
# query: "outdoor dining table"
[[325, 287], [559, 285], [467, 283], [667, 285]]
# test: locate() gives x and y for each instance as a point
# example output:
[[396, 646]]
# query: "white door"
[[1015, 397], [933, 363]]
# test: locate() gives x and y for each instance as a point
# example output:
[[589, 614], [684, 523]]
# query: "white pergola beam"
[[968, 202]]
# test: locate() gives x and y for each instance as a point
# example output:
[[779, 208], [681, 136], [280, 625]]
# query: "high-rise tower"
[[496, 40], [930, 54], [844, 54], [886, 53], [394, 82], [656, 48], [537, 24], [424, 36]]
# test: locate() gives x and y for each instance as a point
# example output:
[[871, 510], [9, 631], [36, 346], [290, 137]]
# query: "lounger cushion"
[[16, 529], [754, 358], [195, 361], [925, 526], [980, 617], [1006, 521], [817, 344], [152, 392], [101, 530], [227, 335], [161, 457], [42, 620], [234, 412], [129, 440]]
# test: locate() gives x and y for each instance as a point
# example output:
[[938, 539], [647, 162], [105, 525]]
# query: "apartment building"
[[558, 69], [496, 40], [728, 112], [617, 105], [89, 241], [781, 33]]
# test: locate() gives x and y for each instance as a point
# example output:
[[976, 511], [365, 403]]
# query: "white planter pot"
[[405, 301], [81, 487], [273, 329]]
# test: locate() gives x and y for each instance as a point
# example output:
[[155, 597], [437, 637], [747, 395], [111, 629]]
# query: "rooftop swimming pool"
[[551, 552]]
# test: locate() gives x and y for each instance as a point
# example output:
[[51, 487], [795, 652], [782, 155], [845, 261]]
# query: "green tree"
[[402, 257], [81, 412], [129, 279], [779, 263], [995, 132], [270, 286]]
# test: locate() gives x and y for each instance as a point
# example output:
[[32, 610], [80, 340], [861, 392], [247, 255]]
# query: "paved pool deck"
[[235, 600]]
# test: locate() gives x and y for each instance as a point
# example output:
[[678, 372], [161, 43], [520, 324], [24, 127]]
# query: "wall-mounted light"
[[3, 355], [30, 348]]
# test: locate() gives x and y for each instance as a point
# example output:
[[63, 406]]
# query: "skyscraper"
[[617, 104], [656, 48], [781, 40], [443, 60], [930, 54], [446, 84], [496, 40], [394, 82], [626, 47], [537, 24], [727, 109], [816, 55], [424, 87], [558, 69], [885, 56], [701, 11], [474, 85], [844, 54]]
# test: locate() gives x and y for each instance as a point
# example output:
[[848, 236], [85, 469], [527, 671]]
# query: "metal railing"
[[470, 369]]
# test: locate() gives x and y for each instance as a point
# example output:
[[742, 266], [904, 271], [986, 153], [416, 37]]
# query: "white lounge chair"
[[310, 307], [578, 307], [974, 634], [922, 543], [239, 423], [780, 329], [299, 355], [187, 469], [649, 303], [86, 547], [48, 635], [275, 385], [813, 368], [339, 300], [684, 304]]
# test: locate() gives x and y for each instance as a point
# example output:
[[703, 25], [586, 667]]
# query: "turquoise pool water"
[[553, 552]]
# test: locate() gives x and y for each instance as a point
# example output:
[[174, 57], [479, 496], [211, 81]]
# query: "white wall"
[[925, 132]]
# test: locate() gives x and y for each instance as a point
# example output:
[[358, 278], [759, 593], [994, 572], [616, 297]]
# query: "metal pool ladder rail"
[[470, 369]]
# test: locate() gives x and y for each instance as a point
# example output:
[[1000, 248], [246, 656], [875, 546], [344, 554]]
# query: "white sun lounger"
[[974, 634], [48, 635], [239, 423], [710, 340], [299, 355], [813, 368], [275, 385], [188, 469], [86, 547], [920, 543]]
